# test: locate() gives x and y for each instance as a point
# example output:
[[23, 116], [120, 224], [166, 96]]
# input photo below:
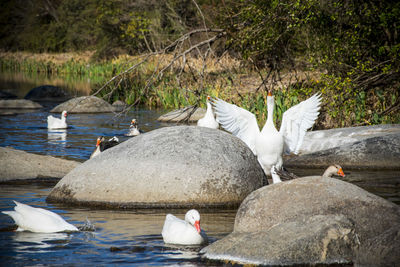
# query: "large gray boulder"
[[48, 93], [20, 165], [311, 220], [366, 147], [187, 114], [19, 104], [85, 104], [180, 166]]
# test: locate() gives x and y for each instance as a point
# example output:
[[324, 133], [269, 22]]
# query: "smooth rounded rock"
[[85, 104], [365, 147], [187, 114], [379, 152], [310, 220], [20, 165], [180, 166], [19, 104], [48, 93]]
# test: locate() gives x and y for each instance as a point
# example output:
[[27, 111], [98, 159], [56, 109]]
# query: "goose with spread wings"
[[269, 144]]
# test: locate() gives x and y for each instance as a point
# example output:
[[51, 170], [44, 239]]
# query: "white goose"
[[38, 220], [183, 232], [208, 120], [56, 123], [329, 172], [269, 144]]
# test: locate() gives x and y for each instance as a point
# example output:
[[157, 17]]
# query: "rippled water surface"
[[120, 237]]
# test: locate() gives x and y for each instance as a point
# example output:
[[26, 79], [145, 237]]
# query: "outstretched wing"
[[297, 120], [238, 121]]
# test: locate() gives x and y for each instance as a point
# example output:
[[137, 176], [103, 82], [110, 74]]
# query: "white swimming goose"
[[183, 232], [133, 129], [279, 175], [38, 220], [56, 123], [208, 120], [269, 144], [103, 144]]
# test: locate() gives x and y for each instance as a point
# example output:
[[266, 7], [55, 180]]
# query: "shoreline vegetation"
[[225, 77], [173, 54]]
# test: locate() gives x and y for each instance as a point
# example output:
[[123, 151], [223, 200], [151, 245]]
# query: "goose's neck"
[[209, 111], [270, 116], [328, 173]]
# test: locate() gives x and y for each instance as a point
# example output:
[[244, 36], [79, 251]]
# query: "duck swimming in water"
[[103, 144], [279, 175], [38, 220], [183, 232], [134, 129], [56, 123]]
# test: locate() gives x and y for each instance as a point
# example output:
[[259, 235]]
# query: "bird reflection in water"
[[57, 137], [38, 242]]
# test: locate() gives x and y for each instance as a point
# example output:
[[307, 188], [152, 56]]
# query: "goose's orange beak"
[[341, 173], [208, 97], [65, 114], [98, 142], [197, 226], [269, 93]]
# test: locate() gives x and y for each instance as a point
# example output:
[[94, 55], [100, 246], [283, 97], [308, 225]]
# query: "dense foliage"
[[351, 47], [111, 27]]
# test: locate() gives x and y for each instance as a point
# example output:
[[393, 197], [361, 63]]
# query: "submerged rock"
[[189, 114], [19, 165], [85, 104], [367, 147], [19, 104], [181, 166], [48, 93], [310, 220]]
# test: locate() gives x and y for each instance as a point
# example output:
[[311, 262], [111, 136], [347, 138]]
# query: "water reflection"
[[20, 83], [37, 242], [57, 137]]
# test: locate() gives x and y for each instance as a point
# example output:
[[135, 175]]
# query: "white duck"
[[38, 220], [269, 144], [55, 123], [208, 120], [183, 232], [329, 172], [133, 129]]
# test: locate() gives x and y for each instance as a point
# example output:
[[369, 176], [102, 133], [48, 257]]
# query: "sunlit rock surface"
[[48, 93], [366, 147], [311, 220], [85, 104], [180, 166], [184, 114], [19, 165]]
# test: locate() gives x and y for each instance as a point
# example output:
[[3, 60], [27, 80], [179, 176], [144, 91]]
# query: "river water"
[[121, 237]]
